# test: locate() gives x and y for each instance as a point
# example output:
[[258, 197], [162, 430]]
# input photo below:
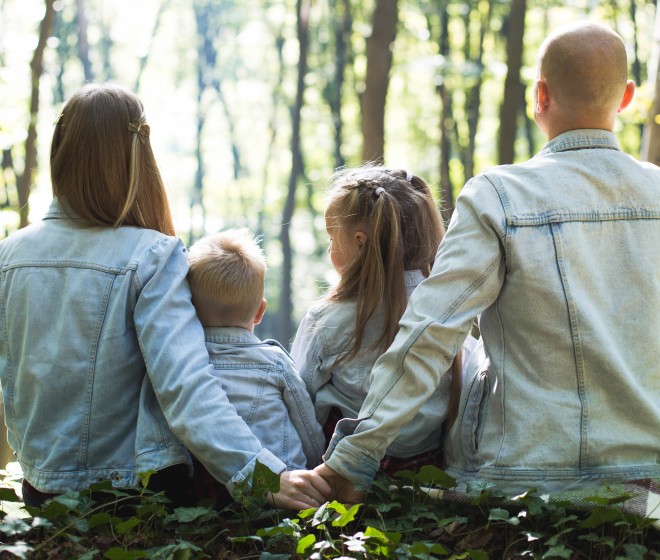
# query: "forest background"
[[253, 104]]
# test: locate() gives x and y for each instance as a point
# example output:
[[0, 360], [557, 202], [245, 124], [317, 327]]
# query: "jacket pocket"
[[474, 410]]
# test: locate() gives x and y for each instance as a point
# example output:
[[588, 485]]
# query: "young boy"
[[226, 278]]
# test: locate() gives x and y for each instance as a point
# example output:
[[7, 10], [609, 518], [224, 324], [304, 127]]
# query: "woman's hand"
[[300, 490], [342, 488]]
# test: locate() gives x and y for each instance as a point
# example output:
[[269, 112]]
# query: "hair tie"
[[141, 129], [379, 190], [409, 176]]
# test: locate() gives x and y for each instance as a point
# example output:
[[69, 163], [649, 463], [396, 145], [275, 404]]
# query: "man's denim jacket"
[[323, 336], [102, 360], [262, 383], [561, 256]]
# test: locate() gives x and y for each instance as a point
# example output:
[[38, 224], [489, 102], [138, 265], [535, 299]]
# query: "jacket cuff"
[[266, 458]]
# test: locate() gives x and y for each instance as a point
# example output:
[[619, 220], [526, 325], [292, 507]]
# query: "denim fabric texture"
[[103, 365], [323, 336], [560, 256], [264, 386]]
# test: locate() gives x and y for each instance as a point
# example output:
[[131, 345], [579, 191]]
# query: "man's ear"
[[360, 238], [628, 95], [542, 97], [260, 314]]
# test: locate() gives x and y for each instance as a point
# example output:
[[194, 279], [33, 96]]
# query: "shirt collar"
[[581, 139], [230, 334]]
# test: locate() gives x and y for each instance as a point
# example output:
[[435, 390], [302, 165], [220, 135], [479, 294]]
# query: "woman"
[[103, 366]]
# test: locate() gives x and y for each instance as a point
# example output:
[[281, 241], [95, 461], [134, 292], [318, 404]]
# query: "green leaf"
[[599, 516], [145, 477], [497, 514], [610, 500], [305, 543], [19, 549], [264, 480], [98, 519], [12, 526], [346, 517], [559, 551], [125, 527], [89, 555], [419, 548], [9, 495], [117, 553], [190, 514], [477, 555], [635, 551], [265, 555]]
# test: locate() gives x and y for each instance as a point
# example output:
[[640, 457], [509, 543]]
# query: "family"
[[124, 352]]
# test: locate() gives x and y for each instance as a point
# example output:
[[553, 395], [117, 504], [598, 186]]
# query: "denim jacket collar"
[[580, 139], [221, 335]]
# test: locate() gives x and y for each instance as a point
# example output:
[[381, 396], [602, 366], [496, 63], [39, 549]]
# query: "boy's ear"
[[260, 314], [542, 99], [628, 95], [360, 238]]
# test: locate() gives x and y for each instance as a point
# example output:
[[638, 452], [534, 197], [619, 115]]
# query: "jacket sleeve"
[[191, 396], [302, 416], [466, 278]]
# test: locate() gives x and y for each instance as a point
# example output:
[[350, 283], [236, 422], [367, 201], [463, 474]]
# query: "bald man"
[[560, 258]]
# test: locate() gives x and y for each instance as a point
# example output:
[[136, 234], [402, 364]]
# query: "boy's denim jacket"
[[323, 336], [561, 256], [262, 383], [102, 360]]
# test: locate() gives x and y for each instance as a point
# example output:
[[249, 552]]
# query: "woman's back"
[[73, 362]]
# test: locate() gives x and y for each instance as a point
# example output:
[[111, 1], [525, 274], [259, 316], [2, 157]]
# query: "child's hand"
[[342, 488], [300, 490]]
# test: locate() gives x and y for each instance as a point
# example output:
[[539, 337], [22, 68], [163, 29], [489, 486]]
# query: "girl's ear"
[[360, 238]]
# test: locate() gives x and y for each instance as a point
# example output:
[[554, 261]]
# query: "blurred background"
[[254, 103]]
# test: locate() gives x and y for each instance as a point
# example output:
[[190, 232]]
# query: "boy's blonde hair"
[[101, 163], [226, 276]]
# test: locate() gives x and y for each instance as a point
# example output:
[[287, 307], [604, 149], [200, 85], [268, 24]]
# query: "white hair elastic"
[[379, 190], [409, 176]]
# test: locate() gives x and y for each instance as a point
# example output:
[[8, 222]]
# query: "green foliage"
[[401, 518]]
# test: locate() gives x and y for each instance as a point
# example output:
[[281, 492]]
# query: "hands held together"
[[310, 489]]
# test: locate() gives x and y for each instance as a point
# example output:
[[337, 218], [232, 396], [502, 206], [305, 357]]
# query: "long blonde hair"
[[403, 227], [101, 162]]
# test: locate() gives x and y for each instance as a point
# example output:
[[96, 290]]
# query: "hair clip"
[[141, 129], [409, 176]]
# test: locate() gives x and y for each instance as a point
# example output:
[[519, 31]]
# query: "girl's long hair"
[[403, 230], [101, 161]]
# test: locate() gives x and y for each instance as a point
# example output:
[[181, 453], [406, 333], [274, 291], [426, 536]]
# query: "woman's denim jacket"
[[102, 360], [561, 254], [323, 336], [262, 383]]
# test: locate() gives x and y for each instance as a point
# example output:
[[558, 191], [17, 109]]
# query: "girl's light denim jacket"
[[560, 255], [103, 365], [262, 383], [323, 336]]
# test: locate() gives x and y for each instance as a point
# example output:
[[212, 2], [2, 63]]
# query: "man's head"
[[226, 277], [582, 79]]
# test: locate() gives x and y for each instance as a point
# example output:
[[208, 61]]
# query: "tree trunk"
[[379, 62], [25, 182], [651, 142], [473, 101], [286, 305], [144, 58], [83, 43], [513, 88], [446, 119], [343, 23]]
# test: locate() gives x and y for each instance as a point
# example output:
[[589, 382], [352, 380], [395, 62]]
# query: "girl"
[[103, 366], [384, 230]]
